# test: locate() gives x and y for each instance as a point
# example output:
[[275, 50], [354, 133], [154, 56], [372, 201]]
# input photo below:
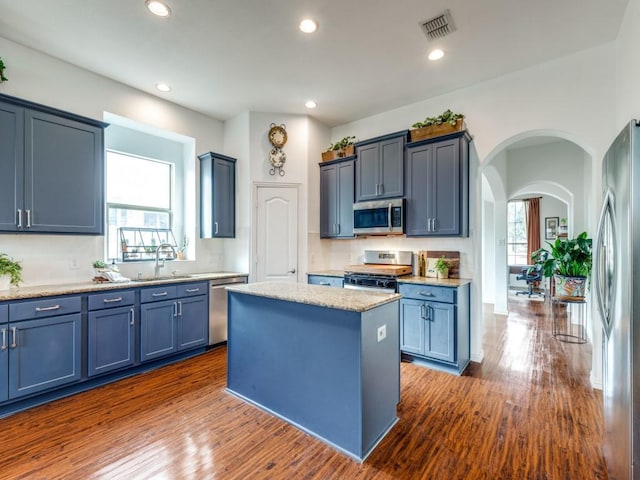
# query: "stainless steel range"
[[380, 270]]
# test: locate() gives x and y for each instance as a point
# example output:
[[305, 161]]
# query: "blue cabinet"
[[380, 167], [434, 325], [336, 198], [437, 182], [325, 280], [51, 170], [4, 353], [193, 327], [158, 329], [110, 332], [217, 196]]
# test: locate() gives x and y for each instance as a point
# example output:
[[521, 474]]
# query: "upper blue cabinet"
[[380, 167], [51, 170], [217, 196]]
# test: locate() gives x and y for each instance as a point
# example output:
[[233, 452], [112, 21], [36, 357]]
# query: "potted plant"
[[342, 148], [10, 272], [569, 262], [442, 267], [2, 69], [446, 122]]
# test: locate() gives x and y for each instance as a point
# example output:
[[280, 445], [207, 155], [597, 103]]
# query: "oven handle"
[[369, 289]]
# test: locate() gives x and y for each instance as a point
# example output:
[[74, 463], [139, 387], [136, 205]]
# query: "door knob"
[[292, 271]]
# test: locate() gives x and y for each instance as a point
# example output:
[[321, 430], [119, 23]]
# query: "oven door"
[[379, 218]]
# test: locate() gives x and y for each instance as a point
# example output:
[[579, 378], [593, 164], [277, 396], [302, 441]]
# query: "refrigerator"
[[616, 283]]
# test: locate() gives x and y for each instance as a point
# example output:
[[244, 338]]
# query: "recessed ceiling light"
[[310, 104], [308, 26], [436, 54], [158, 8], [163, 87]]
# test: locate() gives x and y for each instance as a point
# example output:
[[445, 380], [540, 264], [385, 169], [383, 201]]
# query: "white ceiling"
[[224, 57]]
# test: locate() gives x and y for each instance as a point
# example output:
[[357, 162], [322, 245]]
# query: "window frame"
[[510, 223]]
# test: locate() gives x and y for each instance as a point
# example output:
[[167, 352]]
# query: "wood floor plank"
[[527, 412]]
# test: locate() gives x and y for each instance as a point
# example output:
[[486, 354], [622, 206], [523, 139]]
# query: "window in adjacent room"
[[138, 195], [516, 233]]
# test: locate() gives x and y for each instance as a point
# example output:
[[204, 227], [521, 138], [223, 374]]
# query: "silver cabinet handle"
[[175, 309], [14, 335], [423, 311], [389, 216], [216, 225], [163, 294], [47, 309], [326, 284], [112, 300], [428, 224], [19, 218], [292, 271], [426, 294], [4, 339], [179, 309], [133, 317], [429, 313], [28, 218], [192, 290], [434, 222]]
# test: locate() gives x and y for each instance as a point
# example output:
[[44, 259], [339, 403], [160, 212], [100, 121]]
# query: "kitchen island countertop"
[[339, 298]]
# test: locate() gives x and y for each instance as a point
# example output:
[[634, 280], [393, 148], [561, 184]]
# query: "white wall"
[[43, 79], [627, 69]]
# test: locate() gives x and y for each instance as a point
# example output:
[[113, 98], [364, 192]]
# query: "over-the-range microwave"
[[379, 217]]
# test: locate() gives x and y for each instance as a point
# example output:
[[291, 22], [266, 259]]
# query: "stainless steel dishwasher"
[[218, 308]]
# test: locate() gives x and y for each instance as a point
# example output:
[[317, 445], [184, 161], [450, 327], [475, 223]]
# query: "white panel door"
[[277, 234]]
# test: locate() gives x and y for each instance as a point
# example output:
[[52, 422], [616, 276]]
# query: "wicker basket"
[[436, 130], [343, 152]]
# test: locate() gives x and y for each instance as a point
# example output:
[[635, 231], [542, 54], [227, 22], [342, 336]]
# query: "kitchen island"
[[325, 360]]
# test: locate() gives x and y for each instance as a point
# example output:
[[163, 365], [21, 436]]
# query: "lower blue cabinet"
[[44, 353], [111, 343], [158, 329], [193, 325]]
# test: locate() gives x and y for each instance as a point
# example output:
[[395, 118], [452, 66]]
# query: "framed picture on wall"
[[551, 227]]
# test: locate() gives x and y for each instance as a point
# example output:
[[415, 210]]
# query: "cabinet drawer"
[[192, 289], [99, 301], [428, 292], [44, 308], [155, 294], [326, 281]]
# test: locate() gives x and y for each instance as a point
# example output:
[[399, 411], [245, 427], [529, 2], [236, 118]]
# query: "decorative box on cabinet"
[[325, 280], [437, 186], [44, 344], [217, 196], [51, 170], [336, 198], [111, 331], [380, 167], [434, 326]]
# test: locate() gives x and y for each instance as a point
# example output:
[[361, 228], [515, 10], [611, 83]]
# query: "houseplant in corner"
[[569, 262], [446, 122], [342, 148], [10, 272]]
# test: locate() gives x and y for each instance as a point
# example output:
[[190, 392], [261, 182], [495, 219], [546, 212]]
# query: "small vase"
[[5, 282], [444, 274]]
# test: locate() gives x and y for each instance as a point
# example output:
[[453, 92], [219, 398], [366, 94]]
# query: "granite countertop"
[[328, 273], [87, 287], [338, 298], [439, 282]]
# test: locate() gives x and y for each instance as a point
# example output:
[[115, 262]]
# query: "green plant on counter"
[[340, 144], [446, 117], [11, 268], [441, 266], [2, 69], [99, 264]]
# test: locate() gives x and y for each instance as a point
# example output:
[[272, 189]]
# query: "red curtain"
[[532, 216]]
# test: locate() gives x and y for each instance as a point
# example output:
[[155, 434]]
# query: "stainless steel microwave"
[[379, 217]]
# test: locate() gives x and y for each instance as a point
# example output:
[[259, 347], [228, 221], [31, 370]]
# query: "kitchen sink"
[[155, 279]]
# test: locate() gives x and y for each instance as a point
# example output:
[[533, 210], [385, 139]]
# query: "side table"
[[569, 320]]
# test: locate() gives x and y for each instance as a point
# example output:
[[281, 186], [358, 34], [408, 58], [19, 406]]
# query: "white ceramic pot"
[[5, 282]]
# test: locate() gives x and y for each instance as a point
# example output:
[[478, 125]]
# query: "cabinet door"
[[4, 353], [444, 188], [224, 213], [417, 199], [440, 332], [158, 329], [391, 168], [345, 195], [328, 200], [412, 326], [193, 327], [64, 175], [11, 165], [110, 339], [44, 353], [368, 172]]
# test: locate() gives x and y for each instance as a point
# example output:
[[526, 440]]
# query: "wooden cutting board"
[[425, 257], [379, 269]]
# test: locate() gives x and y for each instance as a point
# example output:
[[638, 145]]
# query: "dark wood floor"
[[527, 412]]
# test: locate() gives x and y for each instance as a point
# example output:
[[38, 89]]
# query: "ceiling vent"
[[438, 27]]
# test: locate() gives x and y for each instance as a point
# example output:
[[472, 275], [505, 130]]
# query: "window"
[[138, 195], [516, 233]]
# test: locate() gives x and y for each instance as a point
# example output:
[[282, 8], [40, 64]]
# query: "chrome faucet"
[[157, 268]]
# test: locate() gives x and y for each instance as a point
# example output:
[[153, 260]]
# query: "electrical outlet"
[[73, 264], [382, 332]]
